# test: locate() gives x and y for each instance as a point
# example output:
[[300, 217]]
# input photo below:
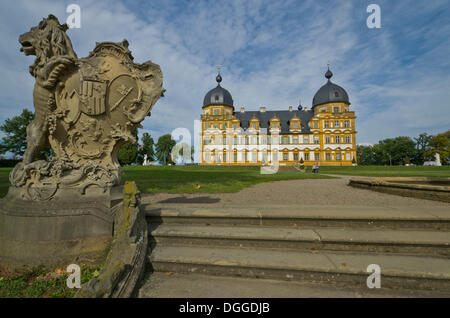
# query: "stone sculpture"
[[63, 210], [85, 108]]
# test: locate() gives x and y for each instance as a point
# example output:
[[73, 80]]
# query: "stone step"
[[437, 218], [191, 285], [335, 268], [436, 243]]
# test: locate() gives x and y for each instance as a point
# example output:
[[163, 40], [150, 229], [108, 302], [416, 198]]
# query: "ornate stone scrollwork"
[[85, 108]]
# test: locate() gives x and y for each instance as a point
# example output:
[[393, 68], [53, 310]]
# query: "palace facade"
[[324, 134]]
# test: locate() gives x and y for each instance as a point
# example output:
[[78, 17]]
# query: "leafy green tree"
[[422, 147], [147, 148], [164, 148], [441, 144], [129, 151], [365, 155], [393, 151], [15, 140]]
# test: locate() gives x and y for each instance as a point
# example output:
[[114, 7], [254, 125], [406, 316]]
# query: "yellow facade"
[[331, 140]]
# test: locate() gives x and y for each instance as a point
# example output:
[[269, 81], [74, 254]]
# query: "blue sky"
[[272, 52]]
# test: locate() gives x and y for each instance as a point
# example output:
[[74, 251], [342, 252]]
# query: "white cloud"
[[273, 53]]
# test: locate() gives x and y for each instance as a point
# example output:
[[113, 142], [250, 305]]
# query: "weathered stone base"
[[56, 233], [436, 189]]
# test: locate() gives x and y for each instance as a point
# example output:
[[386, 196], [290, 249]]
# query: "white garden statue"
[[145, 163]]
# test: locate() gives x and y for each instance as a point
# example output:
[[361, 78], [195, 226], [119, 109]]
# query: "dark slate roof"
[[283, 115], [218, 95], [330, 92]]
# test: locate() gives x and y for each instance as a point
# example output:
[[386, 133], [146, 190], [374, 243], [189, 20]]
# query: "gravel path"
[[301, 192]]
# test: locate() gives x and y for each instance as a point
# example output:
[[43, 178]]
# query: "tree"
[[393, 151], [365, 155], [440, 144], [15, 140], [164, 148], [422, 147], [146, 148], [128, 152]]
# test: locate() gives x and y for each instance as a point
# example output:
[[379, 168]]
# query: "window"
[[336, 109], [244, 155], [285, 156], [275, 125], [348, 140], [216, 125], [346, 124], [254, 156], [347, 156], [306, 156], [275, 157], [234, 126], [336, 94], [216, 98], [327, 124], [316, 140], [338, 157], [295, 156], [316, 125], [225, 140], [295, 140], [317, 156], [216, 111], [328, 156], [235, 140], [336, 123], [285, 140], [264, 157], [225, 126], [207, 125], [294, 125], [254, 126], [338, 139], [327, 139], [306, 139], [224, 157], [235, 157]]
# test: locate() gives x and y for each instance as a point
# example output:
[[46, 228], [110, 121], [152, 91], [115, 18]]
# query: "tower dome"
[[218, 95], [330, 92]]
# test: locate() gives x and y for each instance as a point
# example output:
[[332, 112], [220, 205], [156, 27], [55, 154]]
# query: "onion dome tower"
[[330, 92]]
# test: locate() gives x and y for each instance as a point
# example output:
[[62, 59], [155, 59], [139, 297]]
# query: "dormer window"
[[216, 111], [336, 94], [216, 98]]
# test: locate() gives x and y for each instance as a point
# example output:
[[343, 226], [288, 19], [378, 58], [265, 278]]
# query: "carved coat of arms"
[[86, 108]]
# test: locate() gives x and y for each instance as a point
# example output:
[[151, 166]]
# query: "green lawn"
[[217, 179], [203, 179], [389, 171]]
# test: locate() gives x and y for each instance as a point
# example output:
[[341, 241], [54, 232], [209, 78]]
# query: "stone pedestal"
[[74, 228]]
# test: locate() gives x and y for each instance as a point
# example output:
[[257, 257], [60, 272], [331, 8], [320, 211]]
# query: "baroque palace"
[[324, 134]]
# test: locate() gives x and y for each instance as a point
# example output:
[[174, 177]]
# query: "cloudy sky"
[[273, 54]]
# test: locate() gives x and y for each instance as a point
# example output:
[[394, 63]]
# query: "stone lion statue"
[[85, 108]]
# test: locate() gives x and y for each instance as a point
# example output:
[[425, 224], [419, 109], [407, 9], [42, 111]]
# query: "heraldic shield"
[[92, 94]]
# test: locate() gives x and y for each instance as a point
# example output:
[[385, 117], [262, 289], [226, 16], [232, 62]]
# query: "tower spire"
[[328, 74], [219, 77]]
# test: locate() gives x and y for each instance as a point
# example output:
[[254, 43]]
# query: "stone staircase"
[[324, 245]]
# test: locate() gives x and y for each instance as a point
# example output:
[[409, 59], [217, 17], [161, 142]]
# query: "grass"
[[203, 179], [39, 283], [389, 171], [219, 179]]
